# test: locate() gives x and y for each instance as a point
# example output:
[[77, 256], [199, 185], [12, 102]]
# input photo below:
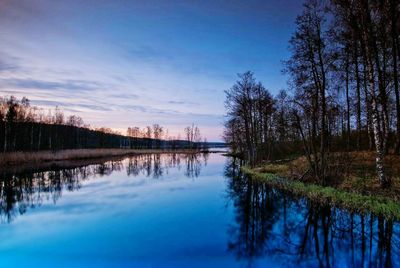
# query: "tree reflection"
[[193, 165], [271, 224], [28, 189]]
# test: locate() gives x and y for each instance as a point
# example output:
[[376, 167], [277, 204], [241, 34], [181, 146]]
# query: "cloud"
[[8, 63], [124, 96], [78, 85], [68, 105], [5, 66], [184, 102], [147, 53], [148, 109]]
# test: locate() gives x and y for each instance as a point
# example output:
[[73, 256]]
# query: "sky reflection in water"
[[177, 211]]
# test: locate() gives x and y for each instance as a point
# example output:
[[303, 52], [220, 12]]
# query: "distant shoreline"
[[13, 159]]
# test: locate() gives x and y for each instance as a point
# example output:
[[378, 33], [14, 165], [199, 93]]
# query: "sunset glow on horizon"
[[120, 64]]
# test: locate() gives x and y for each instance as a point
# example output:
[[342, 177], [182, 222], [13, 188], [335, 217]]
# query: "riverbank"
[[357, 190], [13, 159], [327, 195]]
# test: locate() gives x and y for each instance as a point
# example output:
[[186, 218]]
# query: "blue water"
[[177, 211]]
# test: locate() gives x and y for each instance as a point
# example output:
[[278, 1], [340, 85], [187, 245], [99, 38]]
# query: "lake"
[[177, 210]]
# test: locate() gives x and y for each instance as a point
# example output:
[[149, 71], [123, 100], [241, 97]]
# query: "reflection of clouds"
[[126, 196], [19, 192], [79, 208], [173, 189]]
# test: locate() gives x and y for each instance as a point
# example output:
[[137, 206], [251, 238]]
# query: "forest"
[[342, 97], [28, 128]]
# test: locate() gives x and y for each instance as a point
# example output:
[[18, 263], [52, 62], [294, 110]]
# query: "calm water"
[[177, 211]]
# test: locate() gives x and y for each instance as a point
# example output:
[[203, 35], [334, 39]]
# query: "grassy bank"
[[347, 194], [18, 158]]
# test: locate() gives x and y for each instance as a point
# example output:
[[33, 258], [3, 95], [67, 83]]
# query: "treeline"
[[344, 89], [27, 128], [158, 134], [258, 124]]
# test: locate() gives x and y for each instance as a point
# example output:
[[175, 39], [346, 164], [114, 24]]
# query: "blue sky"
[[126, 63]]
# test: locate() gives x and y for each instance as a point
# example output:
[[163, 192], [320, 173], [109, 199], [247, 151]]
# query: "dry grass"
[[352, 201], [362, 177], [278, 169], [290, 168], [352, 172], [17, 158], [61, 164]]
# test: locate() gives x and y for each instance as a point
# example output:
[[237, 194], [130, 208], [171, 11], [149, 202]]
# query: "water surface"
[[175, 210]]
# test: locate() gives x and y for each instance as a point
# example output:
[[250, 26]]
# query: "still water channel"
[[177, 210]]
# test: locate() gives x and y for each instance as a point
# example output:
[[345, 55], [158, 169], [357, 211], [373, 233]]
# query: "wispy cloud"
[[121, 63], [6, 66], [124, 96], [183, 102], [66, 105], [9, 63], [148, 109], [80, 85]]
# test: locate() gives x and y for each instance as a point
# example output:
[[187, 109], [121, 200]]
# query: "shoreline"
[[352, 201], [13, 159]]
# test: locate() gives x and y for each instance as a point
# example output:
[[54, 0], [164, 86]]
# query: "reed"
[[17, 158]]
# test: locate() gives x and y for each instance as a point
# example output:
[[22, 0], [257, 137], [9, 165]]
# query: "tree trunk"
[[395, 41], [368, 55], [358, 92], [347, 104], [32, 125], [40, 136], [5, 136], [379, 159], [323, 115]]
